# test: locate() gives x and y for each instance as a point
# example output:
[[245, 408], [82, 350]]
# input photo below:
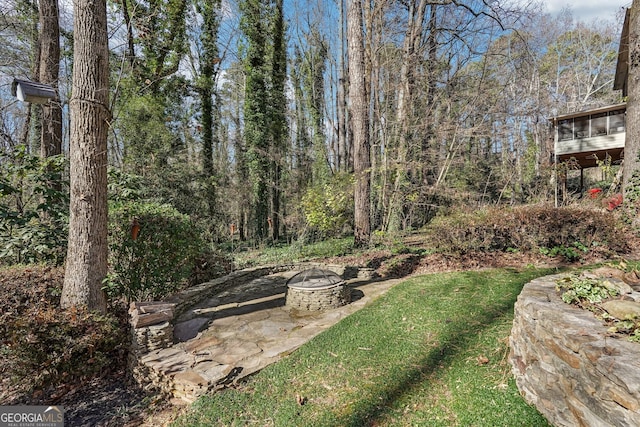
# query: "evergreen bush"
[[34, 206], [152, 250]]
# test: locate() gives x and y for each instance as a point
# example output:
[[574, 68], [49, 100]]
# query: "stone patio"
[[238, 331]]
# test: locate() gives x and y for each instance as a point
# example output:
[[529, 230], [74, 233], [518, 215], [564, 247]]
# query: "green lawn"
[[431, 352]]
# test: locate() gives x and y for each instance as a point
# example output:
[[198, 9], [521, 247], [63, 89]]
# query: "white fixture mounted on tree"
[[34, 92]]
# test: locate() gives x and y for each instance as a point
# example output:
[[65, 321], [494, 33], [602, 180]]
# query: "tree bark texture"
[[343, 163], [278, 128], [360, 123], [51, 133], [86, 264], [631, 183]]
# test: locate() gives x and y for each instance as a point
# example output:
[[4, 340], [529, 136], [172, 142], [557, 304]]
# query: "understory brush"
[[34, 208], [570, 232], [295, 252], [43, 346]]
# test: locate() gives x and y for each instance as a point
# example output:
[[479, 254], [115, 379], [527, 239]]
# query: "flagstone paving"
[[240, 331]]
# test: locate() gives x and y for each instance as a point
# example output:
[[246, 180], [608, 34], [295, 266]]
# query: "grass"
[[295, 252], [432, 351]]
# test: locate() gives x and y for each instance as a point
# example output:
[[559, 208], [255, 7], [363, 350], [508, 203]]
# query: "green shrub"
[[566, 231], [124, 187], [34, 207], [159, 259], [327, 248], [571, 253], [328, 207]]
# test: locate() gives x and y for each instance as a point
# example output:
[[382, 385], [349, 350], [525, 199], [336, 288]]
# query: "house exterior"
[[584, 139], [588, 137]]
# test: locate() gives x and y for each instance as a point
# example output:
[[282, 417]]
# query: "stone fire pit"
[[317, 290]]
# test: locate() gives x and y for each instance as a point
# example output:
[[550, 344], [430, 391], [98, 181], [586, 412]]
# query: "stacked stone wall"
[[567, 364], [152, 323], [318, 299]]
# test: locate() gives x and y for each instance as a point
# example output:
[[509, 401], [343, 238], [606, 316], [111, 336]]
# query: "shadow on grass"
[[454, 339]]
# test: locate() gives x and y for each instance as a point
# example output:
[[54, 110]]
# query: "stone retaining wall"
[[193, 295], [149, 336], [152, 323], [568, 366]]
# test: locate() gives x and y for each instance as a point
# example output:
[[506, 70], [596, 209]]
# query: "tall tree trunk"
[[303, 171], [242, 172], [32, 121], [206, 99], [49, 70], [341, 108], [278, 115], [428, 146], [426, 159], [256, 114], [131, 50], [358, 110], [86, 265], [51, 133], [207, 91], [404, 116], [631, 174]]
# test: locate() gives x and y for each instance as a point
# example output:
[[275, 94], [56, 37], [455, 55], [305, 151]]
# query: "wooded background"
[[246, 115]]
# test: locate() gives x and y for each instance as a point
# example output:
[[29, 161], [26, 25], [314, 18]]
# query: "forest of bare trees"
[[264, 120]]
